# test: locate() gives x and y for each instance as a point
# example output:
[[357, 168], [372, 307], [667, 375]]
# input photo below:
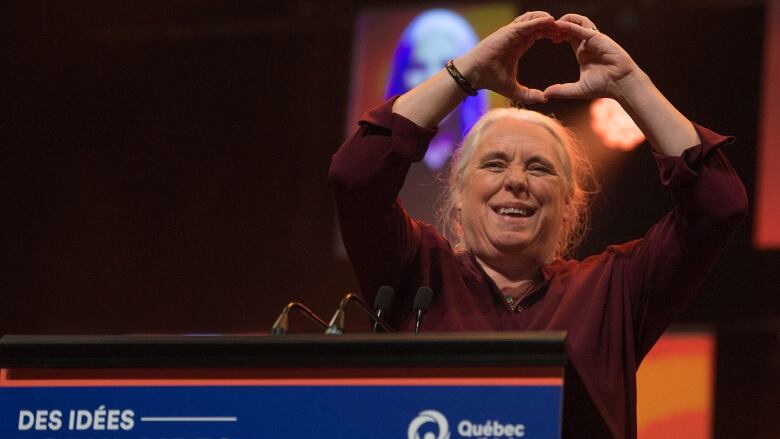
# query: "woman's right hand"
[[492, 64]]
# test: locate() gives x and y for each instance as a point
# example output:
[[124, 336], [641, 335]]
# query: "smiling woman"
[[513, 195], [517, 204], [564, 158]]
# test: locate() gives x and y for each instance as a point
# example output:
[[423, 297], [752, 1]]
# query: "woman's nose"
[[516, 180]]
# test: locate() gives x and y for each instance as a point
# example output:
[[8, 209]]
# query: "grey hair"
[[577, 173]]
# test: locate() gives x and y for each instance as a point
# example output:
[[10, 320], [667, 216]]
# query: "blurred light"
[[675, 387], [614, 126], [766, 230]]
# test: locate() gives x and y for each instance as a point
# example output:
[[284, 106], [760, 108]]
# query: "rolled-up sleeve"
[[667, 266], [367, 173]]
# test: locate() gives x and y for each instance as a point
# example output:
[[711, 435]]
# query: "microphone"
[[280, 325], [422, 302], [383, 302], [336, 325]]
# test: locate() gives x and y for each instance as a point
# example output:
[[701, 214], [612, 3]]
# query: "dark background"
[[164, 166]]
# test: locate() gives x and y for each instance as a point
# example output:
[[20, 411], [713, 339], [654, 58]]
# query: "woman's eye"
[[493, 165], [540, 169]]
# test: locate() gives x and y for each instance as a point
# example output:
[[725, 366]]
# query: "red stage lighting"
[[614, 126]]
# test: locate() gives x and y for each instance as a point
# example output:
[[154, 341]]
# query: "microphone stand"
[[280, 325], [336, 325]]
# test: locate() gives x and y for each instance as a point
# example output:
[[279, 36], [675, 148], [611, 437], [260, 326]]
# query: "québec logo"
[[425, 417], [489, 429]]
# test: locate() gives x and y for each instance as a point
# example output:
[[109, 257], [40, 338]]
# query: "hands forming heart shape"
[[604, 66]]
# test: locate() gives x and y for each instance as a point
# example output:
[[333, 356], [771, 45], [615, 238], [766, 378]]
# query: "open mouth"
[[514, 211]]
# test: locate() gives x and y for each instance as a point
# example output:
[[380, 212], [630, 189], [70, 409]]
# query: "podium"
[[431, 386]]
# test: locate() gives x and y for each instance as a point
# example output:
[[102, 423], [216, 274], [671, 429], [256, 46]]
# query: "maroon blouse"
[[613, 305]]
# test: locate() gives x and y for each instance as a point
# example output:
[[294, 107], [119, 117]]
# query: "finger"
[[575, 30], [530, 26], [550, 33], [559, 37], [563, 36], [528, 95], [570, 90], [579, 19], [531, 15]]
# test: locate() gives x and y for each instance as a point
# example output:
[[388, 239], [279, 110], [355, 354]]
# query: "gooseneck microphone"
[[280, 325], [422, 302], [336, 325], [382, 303]]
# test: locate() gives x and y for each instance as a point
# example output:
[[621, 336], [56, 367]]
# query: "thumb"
[[527, 95], [570, 90]]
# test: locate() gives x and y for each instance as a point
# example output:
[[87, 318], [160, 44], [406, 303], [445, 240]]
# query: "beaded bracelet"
[[462, 82]]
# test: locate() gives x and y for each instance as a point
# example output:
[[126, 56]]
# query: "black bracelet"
[[462, 82]]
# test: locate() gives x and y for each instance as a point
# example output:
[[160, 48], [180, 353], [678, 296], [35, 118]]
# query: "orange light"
[[675, 387], [614, 126]]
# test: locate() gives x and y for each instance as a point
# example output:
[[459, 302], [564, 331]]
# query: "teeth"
[[513, 211]]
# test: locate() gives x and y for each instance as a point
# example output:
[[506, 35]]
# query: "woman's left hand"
[[607, 71], [604, 66]]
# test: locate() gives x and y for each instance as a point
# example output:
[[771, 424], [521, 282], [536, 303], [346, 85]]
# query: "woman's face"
[[513, 196]]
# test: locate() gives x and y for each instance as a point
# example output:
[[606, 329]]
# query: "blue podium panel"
[[416, 408]]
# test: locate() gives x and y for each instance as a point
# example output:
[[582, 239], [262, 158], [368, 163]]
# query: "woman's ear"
[[456, 202]]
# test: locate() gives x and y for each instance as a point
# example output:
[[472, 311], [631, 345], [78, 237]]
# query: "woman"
[[516, 204]]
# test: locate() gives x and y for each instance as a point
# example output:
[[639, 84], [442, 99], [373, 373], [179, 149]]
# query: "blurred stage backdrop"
[[164, 166]]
